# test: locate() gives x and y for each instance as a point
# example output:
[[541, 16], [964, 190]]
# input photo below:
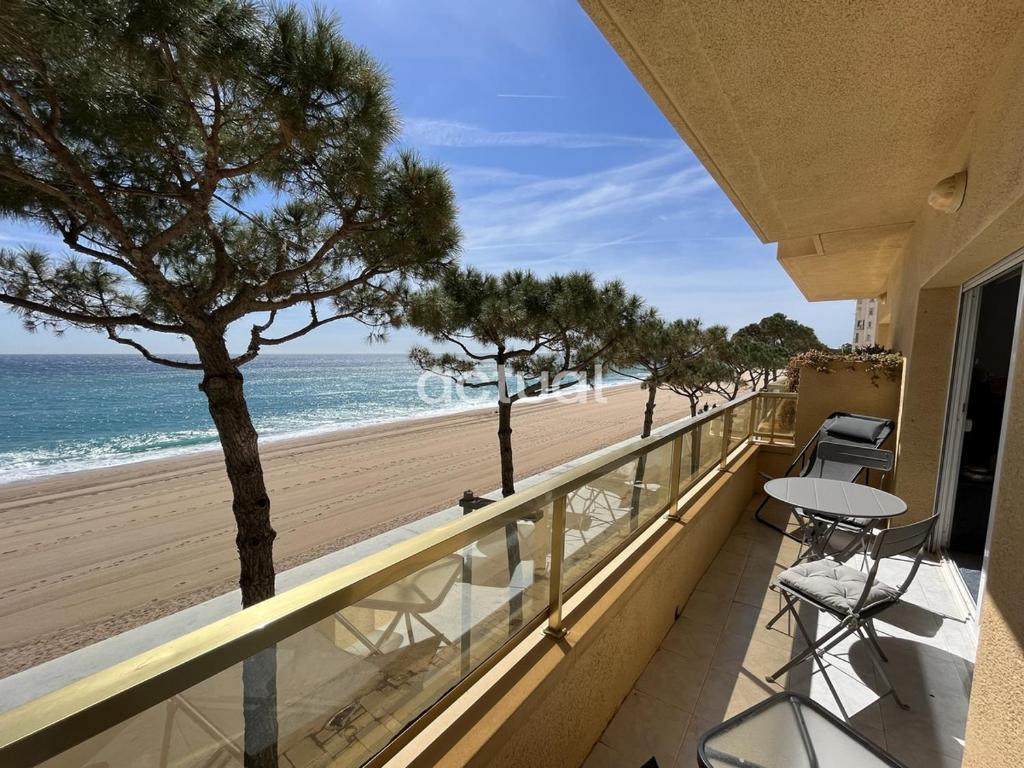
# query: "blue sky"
[[560, 161]]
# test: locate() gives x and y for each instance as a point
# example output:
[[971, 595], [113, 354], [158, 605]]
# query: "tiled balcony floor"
[[713, 662]]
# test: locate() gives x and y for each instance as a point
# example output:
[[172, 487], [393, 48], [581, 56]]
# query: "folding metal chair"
[[854, 597], [850, 430], [848, 536]]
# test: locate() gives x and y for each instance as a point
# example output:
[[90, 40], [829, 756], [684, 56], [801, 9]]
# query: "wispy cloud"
[[486, 177], [575, 214], [448, 133]]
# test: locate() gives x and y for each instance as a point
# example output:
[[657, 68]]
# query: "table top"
[[789, 730], [835, 498]]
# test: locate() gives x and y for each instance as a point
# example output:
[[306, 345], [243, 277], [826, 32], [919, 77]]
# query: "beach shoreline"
[[299, 437], [89, 554]]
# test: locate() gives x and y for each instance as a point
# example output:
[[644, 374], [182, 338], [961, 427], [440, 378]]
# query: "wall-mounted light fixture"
[[948, 195]]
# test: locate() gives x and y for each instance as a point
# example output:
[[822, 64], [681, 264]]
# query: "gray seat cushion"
[[834, 585], [858, 428]]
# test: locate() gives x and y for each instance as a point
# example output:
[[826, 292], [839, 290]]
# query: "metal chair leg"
[[880, 668], [817, 654], [811, 649], [781, 613], [872, 636], [757, 516]]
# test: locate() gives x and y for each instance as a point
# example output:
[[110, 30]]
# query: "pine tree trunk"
[[652, 393], [515, 615], [505, 434], [641, 462], [505, 448], [222, 384], [694, 441]]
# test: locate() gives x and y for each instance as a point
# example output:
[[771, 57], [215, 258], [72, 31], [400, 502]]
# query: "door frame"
[[956, 414]]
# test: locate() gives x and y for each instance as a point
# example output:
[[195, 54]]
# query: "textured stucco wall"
[[551, 706], [926, 378], [923, 292], [946, 250], [773, 460], [995, 723], [842, 389]]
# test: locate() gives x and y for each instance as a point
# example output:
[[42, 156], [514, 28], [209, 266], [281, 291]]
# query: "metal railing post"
[[726, 437], [775, 415], [677, 467], [554, 627]]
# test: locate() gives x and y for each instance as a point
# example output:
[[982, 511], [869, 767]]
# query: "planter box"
[[846, 387]]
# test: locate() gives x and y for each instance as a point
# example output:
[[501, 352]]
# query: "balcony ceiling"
[[827, 124]]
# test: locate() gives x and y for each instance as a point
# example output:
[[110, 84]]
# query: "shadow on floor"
[[713, 663]]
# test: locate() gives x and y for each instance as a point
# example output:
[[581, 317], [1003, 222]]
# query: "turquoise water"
[[62, 413]]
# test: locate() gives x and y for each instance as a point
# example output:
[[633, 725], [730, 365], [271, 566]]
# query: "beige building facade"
[[882, 148], [865, 319]]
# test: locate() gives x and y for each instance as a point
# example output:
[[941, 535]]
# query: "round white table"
[[836, 501], [835, 498]]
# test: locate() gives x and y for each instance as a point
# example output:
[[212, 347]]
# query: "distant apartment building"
[[865, 322]]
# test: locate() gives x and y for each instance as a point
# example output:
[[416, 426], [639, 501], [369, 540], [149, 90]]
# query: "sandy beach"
[[90, 554]]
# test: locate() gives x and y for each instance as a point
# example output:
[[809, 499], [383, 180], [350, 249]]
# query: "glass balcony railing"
[[774, 415], [341, 670]]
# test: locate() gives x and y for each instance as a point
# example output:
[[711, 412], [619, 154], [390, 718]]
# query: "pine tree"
[[545, 332], [204, 162], [760, 349], [207, 163]]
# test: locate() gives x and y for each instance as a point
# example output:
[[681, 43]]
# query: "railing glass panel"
[[351, 659]]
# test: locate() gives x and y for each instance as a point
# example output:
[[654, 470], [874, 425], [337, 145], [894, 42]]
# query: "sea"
[[65, 413]]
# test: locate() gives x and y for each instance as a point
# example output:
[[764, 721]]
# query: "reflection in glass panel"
[[599, 516], [785, 419], [347, 684], [653, 483], [689, 467], [760, 417], [765, 420], [712, 435], [741, 418]]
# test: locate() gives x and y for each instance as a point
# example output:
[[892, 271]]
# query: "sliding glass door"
[[982, 367]]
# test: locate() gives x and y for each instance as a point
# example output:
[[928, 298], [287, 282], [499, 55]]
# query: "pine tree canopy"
[[774, 339], [202, 160], [539, 328], [658, 348]]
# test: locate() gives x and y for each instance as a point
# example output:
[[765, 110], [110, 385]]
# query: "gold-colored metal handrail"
[[55, 722]]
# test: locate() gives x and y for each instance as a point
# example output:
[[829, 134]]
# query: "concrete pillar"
[[925, 393]]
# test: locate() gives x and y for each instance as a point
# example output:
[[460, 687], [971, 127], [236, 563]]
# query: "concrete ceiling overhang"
[[826, 123]]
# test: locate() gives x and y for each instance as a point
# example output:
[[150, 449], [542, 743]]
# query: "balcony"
[[528, 621], [712, 664]]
